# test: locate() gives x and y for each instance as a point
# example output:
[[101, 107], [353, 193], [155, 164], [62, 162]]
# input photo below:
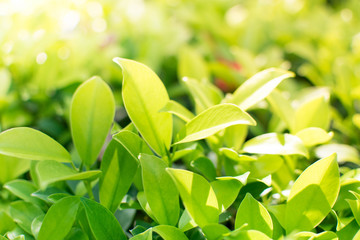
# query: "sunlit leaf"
[[91, 115], [23, 213], [313, 195], [275, 143], [213, 120], [344, 152], [198, 196], [312, 136], [192, 65], [12, 167], [258, 87], [28, 143], [144, 96]]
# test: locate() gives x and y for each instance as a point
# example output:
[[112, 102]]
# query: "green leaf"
[[169, 232], [28, 143], [36, 225], [52, 171], [197, 195], [91, 115], [7, 224], [258, 87], [178, 110], [186, 222], [98, 217], [312, 136], [213, 120], [265, 165], [147, 235], [255, 215], [344, 152], [226, 190], [205, 94], [313, 113], [191, 64], [215, 231], [119, 166], [59, 219], [235, 136], [144, 96], [233, 155], [144, 204], [275, 143], [76, 233], [205, 167], [23, 189], [12, 167], [160, 190], [313, 195], [23, 213]]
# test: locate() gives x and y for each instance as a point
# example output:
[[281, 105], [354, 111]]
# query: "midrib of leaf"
[[148, 116]]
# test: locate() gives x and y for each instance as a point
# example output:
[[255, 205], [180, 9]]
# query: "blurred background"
[[48, 48]]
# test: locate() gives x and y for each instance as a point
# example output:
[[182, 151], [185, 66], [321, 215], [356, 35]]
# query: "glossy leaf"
[[28, 143], [313, 195], [160, 190], [234, 136], [119, 166], [255, 215], [145, 204], [91, 115], [313, 136], [213, 120], [169, 232], [178, 110], [258, 87], [275, 143], [98, 217], [23, 213], [12, 167], [59, 219], [52, 171], [355, 206], [144, 96], [197, 195]]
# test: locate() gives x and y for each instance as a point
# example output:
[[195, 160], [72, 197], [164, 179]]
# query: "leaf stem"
[[89, 190]]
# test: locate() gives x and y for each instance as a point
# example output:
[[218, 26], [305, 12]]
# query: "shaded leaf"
[[59, 220], [23, 214], [169, 232], [52, 171], [178, 110], [160, 191], [12, 167]]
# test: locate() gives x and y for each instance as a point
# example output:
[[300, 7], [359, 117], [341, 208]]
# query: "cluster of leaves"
[[175, 174]]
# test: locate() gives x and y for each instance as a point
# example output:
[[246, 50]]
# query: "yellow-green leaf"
[[197, 195], [91, 115], [28, 143], [313, 195], [213, 120], [144, 96]]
